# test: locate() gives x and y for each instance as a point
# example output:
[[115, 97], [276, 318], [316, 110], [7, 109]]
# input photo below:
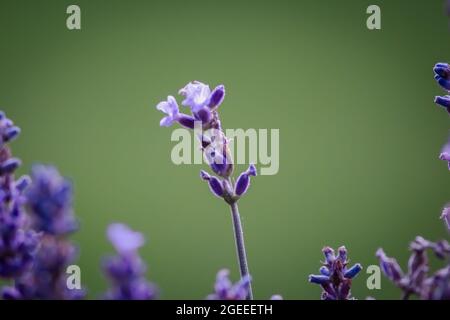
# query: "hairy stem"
[[240, 246]]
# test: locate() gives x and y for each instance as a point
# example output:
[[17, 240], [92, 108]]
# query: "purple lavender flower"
[[203, 104], [224, 289], [335, 278], [416, 280], [18, 243], [49, 203], [126, 271], [390, 267], [47, 279]]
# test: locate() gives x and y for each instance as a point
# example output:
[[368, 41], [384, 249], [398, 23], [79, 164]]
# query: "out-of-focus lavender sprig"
[[335, 277], [18, 243], [49, 203], [224, 289], [203, 103], [126, 271], [417, 281], [442, 76]]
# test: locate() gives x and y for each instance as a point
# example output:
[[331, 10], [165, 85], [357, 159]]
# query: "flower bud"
[[443, 102], [214, 183], [216, 97], [353, 271], [243, 181], [11, 133], [9, 165]]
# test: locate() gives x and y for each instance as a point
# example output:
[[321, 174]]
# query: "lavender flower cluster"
[[335, 277], [203, 104], [36, 220], [126, 270], [18, 243], [417, 280]]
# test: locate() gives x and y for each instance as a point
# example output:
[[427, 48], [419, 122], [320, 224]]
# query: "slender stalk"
[[240, 246]]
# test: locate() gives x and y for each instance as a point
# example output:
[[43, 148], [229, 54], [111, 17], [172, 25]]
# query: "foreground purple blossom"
[[49, 202], [203, 104], [335, 277], [18, 243], [224, 289], [442, 76], [126, 270], [417, 281]]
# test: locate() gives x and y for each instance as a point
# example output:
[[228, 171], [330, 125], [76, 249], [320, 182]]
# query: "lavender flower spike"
[[390, 267], [204, 105], [443, 101], [124, 239], [215, 185], [216, 97], [196, 95], [224, 289], [18, 244], [49, 203], [127, 270], [335, 278]]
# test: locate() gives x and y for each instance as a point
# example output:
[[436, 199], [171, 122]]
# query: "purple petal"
[[443, 101], [242, 184], [170, 108], [9, 165], [389, 266], [329, 255], [353, 271], [123, 238], [342, 254], [196, 95], [186, 121], [216, 97], [319, 279]]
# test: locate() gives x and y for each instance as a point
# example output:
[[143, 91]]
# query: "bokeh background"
[[359, 133]]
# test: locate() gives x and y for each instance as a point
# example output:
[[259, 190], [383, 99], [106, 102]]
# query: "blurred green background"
[[359, 133]]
